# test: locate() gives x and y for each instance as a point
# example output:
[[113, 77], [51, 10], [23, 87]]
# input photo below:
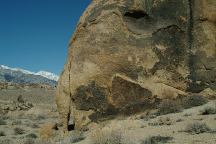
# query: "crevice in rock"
[[192, 76], [203, 19], [167, 27], [136, 14], [190, 24], [206, 68], [69, 78]]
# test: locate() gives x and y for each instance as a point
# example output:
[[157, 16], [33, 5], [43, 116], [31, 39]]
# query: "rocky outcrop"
[[19, 105], [127, 55]]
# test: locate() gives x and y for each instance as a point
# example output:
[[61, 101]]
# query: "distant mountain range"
[[17, 75]]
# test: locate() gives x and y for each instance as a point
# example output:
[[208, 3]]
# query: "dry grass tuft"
[[110, 135], [157, 140], [29, 141], [169, 106], [193, 101], [197, 128], [47, 130], [208, 110]]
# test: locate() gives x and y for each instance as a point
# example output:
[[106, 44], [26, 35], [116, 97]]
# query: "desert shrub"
[[179, 120], [110, 136], [19, 131], [162, 121], [17, 122], [4, 117], [5, 141], [187, 114], [2, 122], [35, 125], [48, 130], [169, 106], [2, 133], [193, 101], [107, 137], [197, 128], [40, 117], [208, 110], [147, 116], [32, 135], [156, 140], [42, 141], [77, 137], [20, 99], [29, 141]]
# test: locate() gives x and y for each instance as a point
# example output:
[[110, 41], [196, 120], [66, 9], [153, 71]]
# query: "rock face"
[[126, 55]]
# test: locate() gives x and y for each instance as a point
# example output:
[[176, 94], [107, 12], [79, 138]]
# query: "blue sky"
[[34, 34]]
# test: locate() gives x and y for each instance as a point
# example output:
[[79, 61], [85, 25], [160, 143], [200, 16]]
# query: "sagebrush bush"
[[29, 141], [157, 140], [4, 117], [34, 126], [208, 110], [193, 101], [17, 122], [2, 122], [40, 117], [32, 135], [2, 133], [107, 137], [5, 141], [197, 128], [111, 136], [19, 131], [169, 106], [77, 137]]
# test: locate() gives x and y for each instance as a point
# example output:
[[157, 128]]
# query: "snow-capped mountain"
[[21, 76], [48, 75], [16, 69], [45, 74]]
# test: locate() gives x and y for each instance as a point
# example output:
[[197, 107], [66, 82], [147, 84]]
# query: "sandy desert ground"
[[29, 116]]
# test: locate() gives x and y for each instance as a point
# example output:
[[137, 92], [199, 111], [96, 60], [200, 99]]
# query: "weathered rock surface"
[[126, 55]]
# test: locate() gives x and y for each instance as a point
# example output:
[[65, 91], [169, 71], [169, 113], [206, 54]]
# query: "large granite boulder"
[[127, 55]]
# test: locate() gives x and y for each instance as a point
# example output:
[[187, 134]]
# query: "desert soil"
[[38, 124]]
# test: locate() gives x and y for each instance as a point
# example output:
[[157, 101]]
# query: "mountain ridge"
[[42, 73], [22, 76]]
